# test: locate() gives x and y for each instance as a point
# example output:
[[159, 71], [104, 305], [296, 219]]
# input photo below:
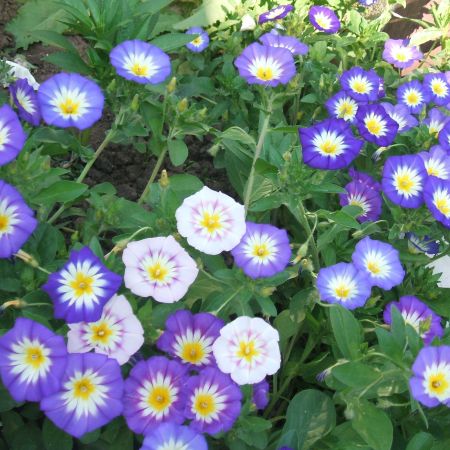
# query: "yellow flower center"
[[360, 87], [432, 171], [373, 267], [211, 222], [82, 284], [405, 183], [412, 98], [402, 55], [197, 41], [68, 106], [247, 350], [438, 88], [261, 251], [265, 73], [374, 126], [329, 147], [139, 70], [342, 291], [83, 388], [4, 223], [35, 357], [159, 398], [205, 405], [192, 352], [157, 272], [438, 383], [101, 332], [443, 206], [346, 109]]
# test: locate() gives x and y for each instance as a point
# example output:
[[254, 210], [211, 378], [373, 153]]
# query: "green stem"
[[155, 171], [303, 219], [258, 149], [228, 300]]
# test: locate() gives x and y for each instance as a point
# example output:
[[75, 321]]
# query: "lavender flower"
[[438, 88], [360, 84], [200, 42], [169, 436], [400, 113], [436, 162], [342, 106], [288, 42], [279, 12], [437, 198], [413, 95], [25, 99], [400, 54], [12, 136], [375, 125], [324, 19]]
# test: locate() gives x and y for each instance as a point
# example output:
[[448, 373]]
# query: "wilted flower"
[[360, 84], [380, 262], [437, 198], [269, 66], [211, 221], [17, 221], [342, 106], [248, 350], [430, 383], [288, 42], [20, 72], [140, 61], [81, 288], [426, 245], [200, 42], [167, 436], [418, 315], [189, 337], [403, 180], [154, 393], [329, 144], [118, 334], [343, 283], [324, 19], [264, 250], [260, 396], [438, 88], [278, 12], [12, 136], [213, 401], [413, 95], [33, 360], [375, 125], [90, 395], [400, 54], [70, 100], [26, 100]]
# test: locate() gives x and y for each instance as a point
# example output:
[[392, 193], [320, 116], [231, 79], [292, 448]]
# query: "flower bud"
[[267, 291], [248, 23], [135, 103], [183, 105], [164, 180], [172, 85]]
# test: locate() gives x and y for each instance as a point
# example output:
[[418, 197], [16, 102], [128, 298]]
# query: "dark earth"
[[124, 167]]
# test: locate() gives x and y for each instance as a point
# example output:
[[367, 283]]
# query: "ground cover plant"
[[265, 277]]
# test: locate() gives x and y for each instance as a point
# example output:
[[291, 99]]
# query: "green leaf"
[[55, 39], [347, 331], [421, 441], [422, 36], [54, 438], [178, 151], [344, 219], [310, 416], [6, 401], [373, 425], [61, 191], [209, 12], [355, 374], [172, 41], [70, 62], [328, 188], [36, 15], [153, 6]]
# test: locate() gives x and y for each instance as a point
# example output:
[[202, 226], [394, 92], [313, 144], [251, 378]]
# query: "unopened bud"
[[111, 86], [303, 250], [135, 103], [27, 258], [172, 85], [183, 105], [203, 112], [287, 156], [306, 265], [248, 23], [267, 291], [164, 180]]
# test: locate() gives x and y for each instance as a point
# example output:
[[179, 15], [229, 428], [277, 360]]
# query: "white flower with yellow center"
[[375, 124], [407, 181], [360, 84], [260, 248], [323, 20], [193, 347], [8, 217], [207, 403], [329, 143], [436, 381], [441, 200], [413, 97], [439, 87], [70, 103], [346, 108]]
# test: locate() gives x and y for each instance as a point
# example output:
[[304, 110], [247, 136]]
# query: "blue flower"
[[375, 125]]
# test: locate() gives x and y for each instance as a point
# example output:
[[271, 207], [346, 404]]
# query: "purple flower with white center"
[[198, 44], [444, 137], [154, 393], [70, 100], [118, 334], [342, 106], [430, 383], [264, 250], [190, 337], [436, 162], [437, 198], [366, 197], [375, 125], [438, 88], [25, 99], [380, 262], [213, 401], [417, 314], [158, 267], [260, 395], [413, 95], [364, 178], [329, 144], [276, 13], [90, 395], [81, 288], [403, 180], [361, 84], [140, 62], [269, 66], [343, 283], [426, 245], [17, 221], [33, 360], [169, 436], [12, 136], [436, 121], [324, 19], [288, 42], [400, 113], [400, 54]]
